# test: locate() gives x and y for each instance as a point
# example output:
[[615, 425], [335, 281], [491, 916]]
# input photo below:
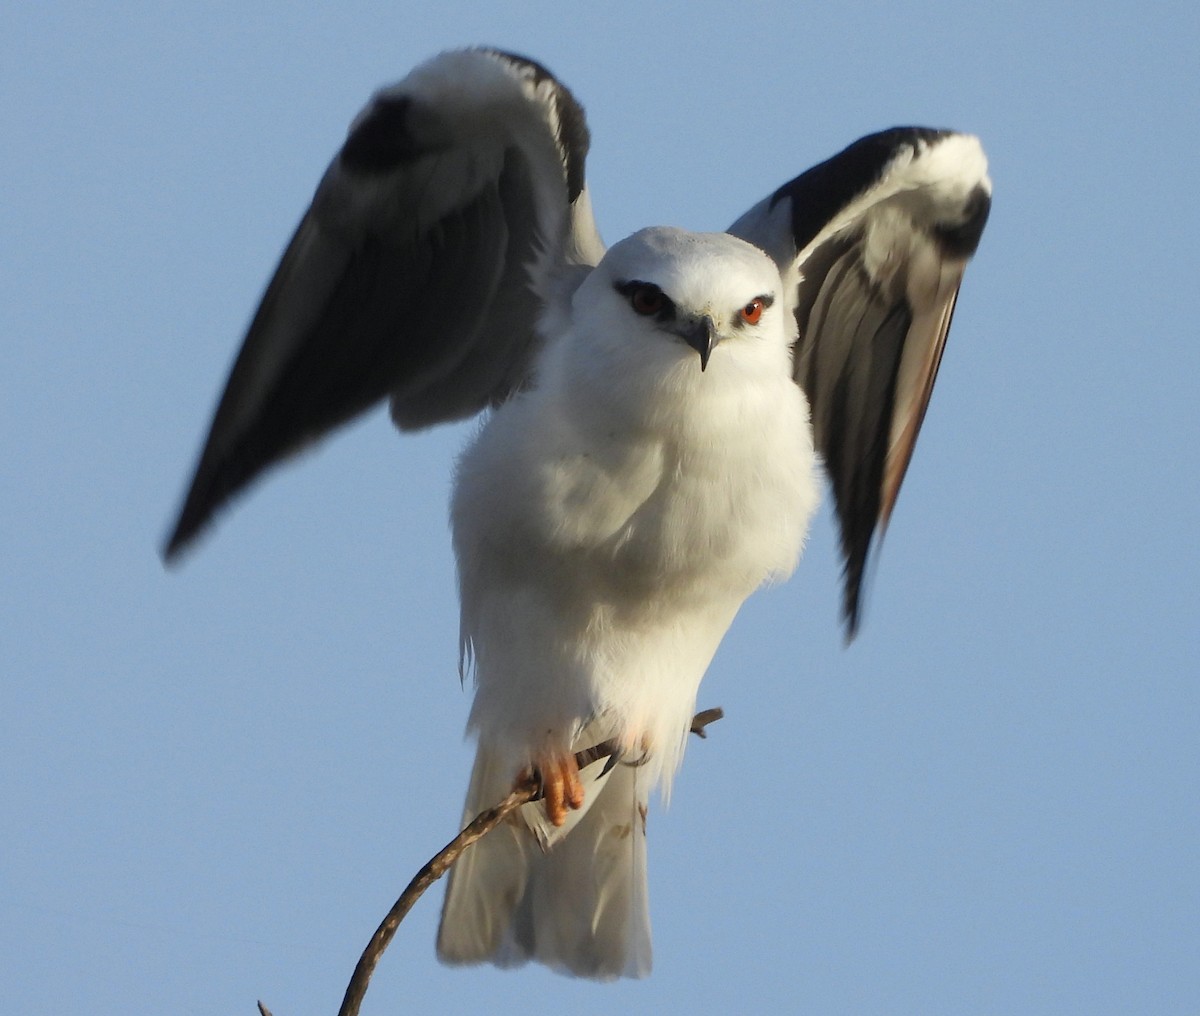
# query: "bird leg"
[[562, 790]]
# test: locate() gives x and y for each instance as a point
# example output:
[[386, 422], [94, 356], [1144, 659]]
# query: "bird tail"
[[574, 898]]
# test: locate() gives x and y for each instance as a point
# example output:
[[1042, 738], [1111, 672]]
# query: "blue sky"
[[217, 778]]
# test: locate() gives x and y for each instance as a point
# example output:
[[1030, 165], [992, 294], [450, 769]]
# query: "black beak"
[[701, 335]]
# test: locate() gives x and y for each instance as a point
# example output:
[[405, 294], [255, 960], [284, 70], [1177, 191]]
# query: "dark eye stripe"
[[647, 299]]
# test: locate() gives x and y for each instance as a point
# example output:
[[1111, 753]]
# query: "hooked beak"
[[701, 335]]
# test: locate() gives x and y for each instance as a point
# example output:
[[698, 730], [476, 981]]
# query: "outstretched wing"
[[417, 273], [878, 238]]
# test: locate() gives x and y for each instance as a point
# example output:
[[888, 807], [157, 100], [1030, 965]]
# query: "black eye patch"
[[647, 299]]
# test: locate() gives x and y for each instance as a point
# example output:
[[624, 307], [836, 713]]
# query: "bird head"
[[685, 302]]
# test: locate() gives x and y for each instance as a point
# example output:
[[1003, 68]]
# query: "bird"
[[656, 416]]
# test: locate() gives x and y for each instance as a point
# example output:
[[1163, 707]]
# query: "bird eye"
[[647, 300], [753, 311]]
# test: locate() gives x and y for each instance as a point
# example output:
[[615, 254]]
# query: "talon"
[[562, 790]]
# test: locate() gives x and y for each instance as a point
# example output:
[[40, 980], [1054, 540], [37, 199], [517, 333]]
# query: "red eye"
[[753, 311], [647, 300]]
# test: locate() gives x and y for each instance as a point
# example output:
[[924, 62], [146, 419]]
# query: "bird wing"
[[877, 239], [417, 274]]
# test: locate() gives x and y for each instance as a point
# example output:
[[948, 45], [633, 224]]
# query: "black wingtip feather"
[[215, 485]]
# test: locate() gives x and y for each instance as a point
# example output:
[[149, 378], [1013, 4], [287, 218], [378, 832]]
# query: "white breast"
[[602, 560]]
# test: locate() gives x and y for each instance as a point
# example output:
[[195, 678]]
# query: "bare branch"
[[484, 823]]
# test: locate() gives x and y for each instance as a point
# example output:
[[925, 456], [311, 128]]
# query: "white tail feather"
[[579, 906]]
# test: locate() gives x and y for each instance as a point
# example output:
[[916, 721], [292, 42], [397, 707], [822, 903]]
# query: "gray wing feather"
[[877, 239], [417, 274]]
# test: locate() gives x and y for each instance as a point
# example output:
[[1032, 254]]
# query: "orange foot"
[[561, 788]]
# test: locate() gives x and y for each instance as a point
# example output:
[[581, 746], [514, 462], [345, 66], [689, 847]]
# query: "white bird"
[[650, 459]]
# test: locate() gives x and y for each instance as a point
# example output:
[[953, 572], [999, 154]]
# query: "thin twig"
[[703, 718], [438, 865], [527, 790]]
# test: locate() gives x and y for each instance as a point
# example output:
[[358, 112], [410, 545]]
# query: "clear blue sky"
[[216, 779]]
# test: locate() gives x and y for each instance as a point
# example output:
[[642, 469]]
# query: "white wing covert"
[[877, 239], [417, 274]]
